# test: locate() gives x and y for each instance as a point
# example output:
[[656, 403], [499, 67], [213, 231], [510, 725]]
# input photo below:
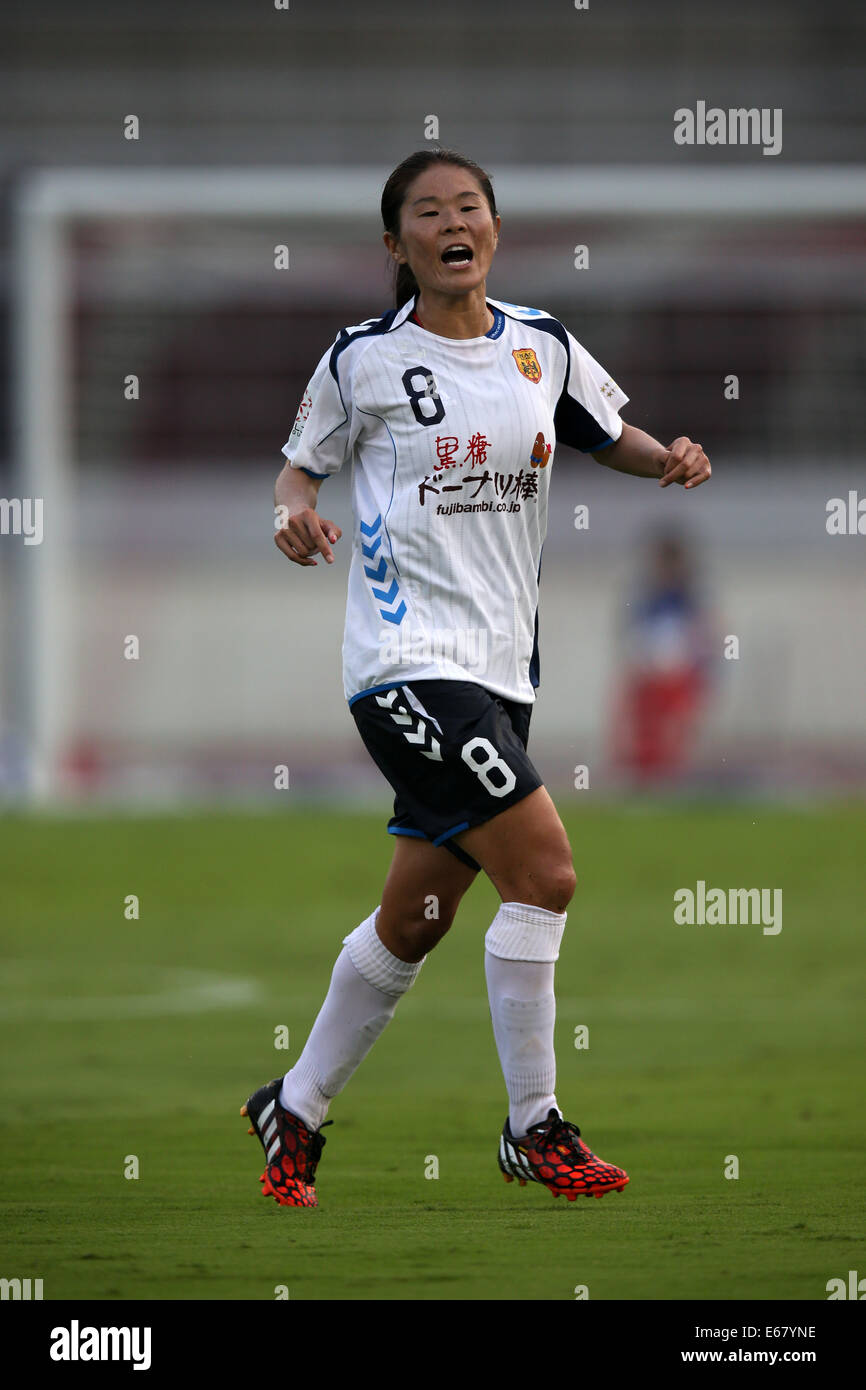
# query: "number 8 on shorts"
[[492, 771]]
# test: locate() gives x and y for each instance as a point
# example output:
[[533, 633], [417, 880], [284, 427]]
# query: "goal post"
[[51, 203]]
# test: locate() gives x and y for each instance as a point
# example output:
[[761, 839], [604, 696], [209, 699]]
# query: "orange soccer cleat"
[[291, 1149], [553, 1154]]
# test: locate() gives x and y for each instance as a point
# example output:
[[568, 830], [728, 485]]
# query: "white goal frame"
[[50, 202]]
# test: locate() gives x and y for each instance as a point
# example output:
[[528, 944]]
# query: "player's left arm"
[[638, 453]]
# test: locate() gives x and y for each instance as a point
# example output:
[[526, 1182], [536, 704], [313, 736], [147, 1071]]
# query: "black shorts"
[[454, 753]]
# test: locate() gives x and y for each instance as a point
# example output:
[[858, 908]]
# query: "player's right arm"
[[301, 532], [319, 444]]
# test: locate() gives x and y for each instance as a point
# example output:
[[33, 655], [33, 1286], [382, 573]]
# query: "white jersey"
[[452, 443]]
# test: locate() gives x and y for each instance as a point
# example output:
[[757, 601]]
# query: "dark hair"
[[394, 195]]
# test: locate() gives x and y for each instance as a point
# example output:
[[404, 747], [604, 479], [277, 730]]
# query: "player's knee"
[[416, 940], [559, 883], [414, 934], [549, 883]]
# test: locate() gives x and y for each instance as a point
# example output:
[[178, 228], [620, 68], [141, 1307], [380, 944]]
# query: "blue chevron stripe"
[[387, 595], [379, 572], [395, 617]]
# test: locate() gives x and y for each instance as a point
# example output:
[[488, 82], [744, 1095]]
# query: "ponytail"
[[405, 285]]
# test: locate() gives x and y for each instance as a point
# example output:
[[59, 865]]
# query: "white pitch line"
[[182, 992]]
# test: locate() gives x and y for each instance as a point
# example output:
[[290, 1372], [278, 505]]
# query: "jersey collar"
[[495, 332]]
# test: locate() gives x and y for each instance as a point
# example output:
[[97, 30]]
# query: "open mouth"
[[457, 255]]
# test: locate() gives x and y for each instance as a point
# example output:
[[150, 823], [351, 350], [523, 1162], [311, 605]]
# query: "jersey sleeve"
[[319, 443], [586, 415]]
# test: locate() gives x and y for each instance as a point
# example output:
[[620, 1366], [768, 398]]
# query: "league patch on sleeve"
[[613, 394], [301, 418]]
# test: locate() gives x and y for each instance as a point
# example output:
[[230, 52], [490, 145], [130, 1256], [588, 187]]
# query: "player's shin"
[[367, 983], [521, 948]]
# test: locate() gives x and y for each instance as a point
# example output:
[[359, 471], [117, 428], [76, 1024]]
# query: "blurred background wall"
[[169, 519]]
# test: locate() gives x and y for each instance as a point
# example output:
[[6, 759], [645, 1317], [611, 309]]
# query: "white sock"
[[366, 984], [521, 949]]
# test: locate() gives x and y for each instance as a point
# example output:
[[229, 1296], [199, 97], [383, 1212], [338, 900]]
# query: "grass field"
[[143, 1037]]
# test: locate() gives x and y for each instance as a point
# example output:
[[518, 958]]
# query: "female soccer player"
[[449, 407]]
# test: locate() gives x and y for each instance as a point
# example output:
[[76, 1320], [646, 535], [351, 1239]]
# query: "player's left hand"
[[685, 463]]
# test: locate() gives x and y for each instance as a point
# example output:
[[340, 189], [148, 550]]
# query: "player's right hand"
[[307, 534]]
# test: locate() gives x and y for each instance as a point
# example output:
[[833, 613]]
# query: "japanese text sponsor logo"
[[481, 489]]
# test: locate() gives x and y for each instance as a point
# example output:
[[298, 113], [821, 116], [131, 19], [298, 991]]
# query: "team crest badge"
[[527, 364]]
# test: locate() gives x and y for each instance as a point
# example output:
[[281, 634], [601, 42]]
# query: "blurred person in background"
[[664, 682]]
